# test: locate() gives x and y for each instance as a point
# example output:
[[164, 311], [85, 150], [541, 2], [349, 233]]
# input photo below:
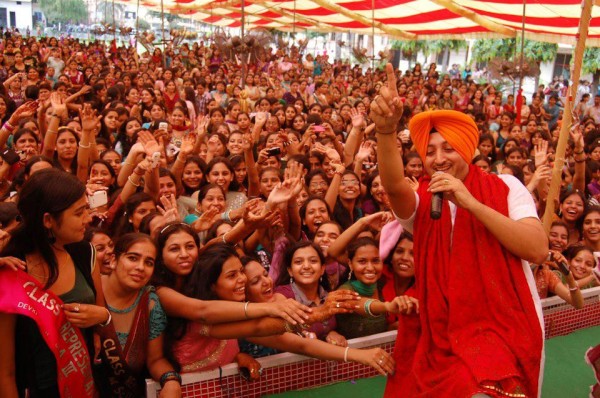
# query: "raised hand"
[[213, 144], [85, 89], [282, 192], [294, 173], [202, 124], [331, 153], [58, 104], [89, 118], [576, 133], [386, 108], [541, 153], [247, 142], [260, 118], [25, 111], [169, 209], [187, 145], [206, 220], [358, 119], [365, 150], [257, 216], [149, 142], [413, 182], [544, 172]]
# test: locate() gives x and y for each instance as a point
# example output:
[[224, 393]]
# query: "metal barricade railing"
[[287, 372]]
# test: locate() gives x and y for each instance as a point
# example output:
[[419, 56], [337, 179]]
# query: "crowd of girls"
[[174, 218]]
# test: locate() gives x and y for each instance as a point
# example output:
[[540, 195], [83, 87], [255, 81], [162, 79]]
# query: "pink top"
[[197, 352]]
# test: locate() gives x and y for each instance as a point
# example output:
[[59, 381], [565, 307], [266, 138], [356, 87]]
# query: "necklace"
[[128, 309]]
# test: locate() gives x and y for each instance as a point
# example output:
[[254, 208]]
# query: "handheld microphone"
[[436, 204]]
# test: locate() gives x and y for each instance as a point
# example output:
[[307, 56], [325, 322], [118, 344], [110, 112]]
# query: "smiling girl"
[[581, 263], [134, 338]]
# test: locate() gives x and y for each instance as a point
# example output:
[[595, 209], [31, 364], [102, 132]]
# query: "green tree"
[[64, 11], [538, 50], [487, 49], [411, 48], [591, 64]]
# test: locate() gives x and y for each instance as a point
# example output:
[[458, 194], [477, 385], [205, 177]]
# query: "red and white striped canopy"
[[546, 20]]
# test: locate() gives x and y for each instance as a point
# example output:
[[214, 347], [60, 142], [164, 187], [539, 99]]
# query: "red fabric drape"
[[478, 320]]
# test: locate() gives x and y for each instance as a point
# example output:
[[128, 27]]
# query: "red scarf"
[[20, 294], [124, 365], [478, 321]]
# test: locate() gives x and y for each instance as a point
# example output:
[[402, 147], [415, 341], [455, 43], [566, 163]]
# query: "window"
[[562, 65]]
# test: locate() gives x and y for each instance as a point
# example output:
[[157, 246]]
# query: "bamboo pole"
[[584, 23], [163, 39]]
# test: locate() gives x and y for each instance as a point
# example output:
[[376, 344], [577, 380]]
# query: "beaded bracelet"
[[169, 376]]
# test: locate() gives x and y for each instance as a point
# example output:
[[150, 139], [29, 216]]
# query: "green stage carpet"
[[566, 375]]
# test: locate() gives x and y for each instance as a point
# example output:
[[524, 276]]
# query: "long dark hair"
[[198, 285], [200, 282], [124, 226], [162, 275], [405, 235], [61, 131], [284, 277], [368, 195], [47, 191], [198, 161]]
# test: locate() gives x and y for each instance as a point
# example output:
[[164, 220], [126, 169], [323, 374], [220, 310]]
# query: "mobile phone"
[[274, 151], [10, 156], [98, 199], [163, 125], [563, 268], [318, 129], [155, 159]]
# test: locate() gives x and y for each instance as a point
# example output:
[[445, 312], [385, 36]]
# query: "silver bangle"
[[346, 354], [108, 320], [246, 309]]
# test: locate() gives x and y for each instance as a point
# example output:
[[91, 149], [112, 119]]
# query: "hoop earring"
[[51, 237]]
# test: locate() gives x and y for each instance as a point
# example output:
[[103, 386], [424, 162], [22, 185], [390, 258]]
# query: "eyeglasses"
[[349, 183], [318, 184]]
